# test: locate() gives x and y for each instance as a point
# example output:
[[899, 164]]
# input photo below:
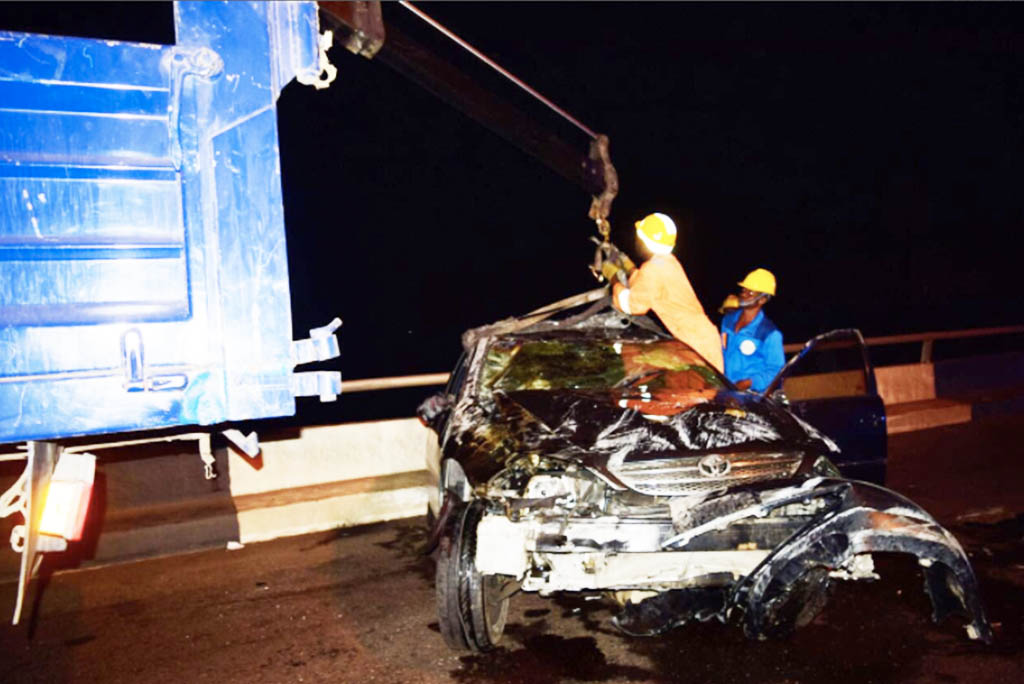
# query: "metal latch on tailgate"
[[137, 378], [322, 344]]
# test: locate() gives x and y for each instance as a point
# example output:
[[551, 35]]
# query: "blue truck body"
[[143, 265]]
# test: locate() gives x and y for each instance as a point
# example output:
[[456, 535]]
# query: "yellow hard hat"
[[657, 232], [759, 280], [731, 302]]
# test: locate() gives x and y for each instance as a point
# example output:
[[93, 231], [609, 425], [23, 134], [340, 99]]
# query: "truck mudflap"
[[789, 586]]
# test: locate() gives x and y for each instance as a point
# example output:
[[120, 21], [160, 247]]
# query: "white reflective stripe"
[[624, 301], [654, 247]]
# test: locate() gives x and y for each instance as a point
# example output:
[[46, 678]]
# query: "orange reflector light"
[[67, 499]]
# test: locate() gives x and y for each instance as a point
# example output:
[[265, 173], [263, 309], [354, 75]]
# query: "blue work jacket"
[[754, 352]]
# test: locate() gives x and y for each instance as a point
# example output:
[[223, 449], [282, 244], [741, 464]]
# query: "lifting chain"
[[601, 206], [608, 261]]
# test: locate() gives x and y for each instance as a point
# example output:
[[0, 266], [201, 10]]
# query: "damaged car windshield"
[[589, 364]]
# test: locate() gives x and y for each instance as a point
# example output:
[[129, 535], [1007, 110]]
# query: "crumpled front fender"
[[867, 519]]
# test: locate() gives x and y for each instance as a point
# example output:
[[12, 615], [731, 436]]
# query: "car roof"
[[599, 321]]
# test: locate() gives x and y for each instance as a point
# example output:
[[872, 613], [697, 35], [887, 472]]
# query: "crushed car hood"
[[591, 427], [605, 420]]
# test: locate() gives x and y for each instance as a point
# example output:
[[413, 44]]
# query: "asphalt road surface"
[[357, 605]]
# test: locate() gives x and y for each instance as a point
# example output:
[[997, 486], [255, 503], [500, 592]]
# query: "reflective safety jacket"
[[755, 352], [661, 284]]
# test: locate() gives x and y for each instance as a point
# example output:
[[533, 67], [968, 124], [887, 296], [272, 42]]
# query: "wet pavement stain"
[[328, 538], [409, 544], [593, 612], [547, 659], [1002, 541], [78, 641]]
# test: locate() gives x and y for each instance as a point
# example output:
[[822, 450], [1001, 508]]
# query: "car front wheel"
[[471, 608]]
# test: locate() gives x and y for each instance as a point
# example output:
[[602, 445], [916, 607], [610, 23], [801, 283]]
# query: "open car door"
[[830, 383]]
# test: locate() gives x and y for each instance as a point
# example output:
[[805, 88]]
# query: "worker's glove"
[[626, 264], [611, 263], [610, 270]]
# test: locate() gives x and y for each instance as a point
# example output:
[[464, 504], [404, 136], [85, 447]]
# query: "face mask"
[[753, 301]]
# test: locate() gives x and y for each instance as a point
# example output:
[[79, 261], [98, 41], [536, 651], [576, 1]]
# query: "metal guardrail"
[[369, 384], [926, 339]]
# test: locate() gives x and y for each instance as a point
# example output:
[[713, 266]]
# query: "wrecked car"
[[595, 453]]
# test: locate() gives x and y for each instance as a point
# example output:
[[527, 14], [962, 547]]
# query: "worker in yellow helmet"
[[751, 343], [661, 285], [729, 304]]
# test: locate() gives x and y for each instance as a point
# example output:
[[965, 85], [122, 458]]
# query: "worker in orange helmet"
[[661, 285]]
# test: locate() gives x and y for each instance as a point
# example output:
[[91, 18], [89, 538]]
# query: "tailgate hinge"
[[322, 344], [325, 384]]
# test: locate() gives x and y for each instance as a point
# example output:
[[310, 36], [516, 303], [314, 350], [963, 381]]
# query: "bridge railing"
[[927, 339]]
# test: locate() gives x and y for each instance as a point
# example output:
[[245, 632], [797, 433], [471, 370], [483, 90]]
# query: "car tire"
[[471, 607]]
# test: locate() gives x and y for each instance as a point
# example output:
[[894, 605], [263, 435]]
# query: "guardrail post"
[[926, 351]]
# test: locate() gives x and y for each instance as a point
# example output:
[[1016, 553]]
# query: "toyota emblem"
[[714, 466]]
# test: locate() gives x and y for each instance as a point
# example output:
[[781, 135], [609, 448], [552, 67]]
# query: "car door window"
[[834, 368]]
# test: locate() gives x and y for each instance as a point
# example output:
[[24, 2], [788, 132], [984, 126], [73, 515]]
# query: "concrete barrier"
[[907, 383], [925, 395], [911, 401], [318, 478]]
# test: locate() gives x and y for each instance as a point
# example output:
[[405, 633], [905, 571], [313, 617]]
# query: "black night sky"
[[868, 153]]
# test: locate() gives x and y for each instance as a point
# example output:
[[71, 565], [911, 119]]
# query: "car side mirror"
[[434, 410]]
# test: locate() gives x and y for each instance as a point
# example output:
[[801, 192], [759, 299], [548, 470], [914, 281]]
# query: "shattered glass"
[[585, 364]]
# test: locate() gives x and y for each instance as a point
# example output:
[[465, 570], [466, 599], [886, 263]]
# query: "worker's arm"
[[635, 299], [622, 299], [774, 359]]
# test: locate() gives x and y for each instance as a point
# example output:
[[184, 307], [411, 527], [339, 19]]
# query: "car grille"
[[680, 476]]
